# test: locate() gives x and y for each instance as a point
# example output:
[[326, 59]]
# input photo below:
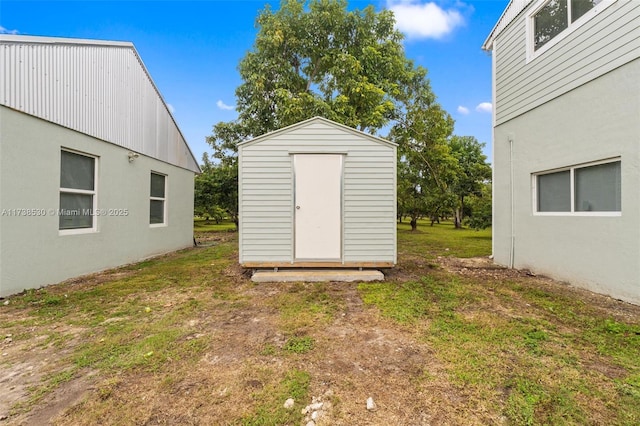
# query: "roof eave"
[[511, 12], [321, 119]]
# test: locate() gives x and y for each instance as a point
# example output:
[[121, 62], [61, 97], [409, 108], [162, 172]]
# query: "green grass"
[[443, 239], [303, 305], [136, 322], [299, 345], [202, 225], [531, 354], [514, 347], [269, 409]]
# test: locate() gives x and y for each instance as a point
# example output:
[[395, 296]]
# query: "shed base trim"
[[317, 265]]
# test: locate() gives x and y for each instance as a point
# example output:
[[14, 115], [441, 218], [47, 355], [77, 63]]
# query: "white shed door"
[[318, 206]]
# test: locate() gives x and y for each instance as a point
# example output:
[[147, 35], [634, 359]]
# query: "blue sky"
[[192, 49]]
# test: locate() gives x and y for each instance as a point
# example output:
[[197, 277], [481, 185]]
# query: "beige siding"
[[101, 89], [604, 43], [266, 192]]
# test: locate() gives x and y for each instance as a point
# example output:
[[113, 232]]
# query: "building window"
[[77, 191], [554, 18], [157, 205], [594, 188], [554, 192]]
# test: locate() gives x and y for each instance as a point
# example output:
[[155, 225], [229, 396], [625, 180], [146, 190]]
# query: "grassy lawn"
[[202, 226], [188, 339]]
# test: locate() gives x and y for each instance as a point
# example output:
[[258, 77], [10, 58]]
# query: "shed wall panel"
[[266, 193]]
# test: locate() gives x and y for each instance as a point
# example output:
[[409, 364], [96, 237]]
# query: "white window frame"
[[571, 169], [94, 193], [571, 27], [163, 199]]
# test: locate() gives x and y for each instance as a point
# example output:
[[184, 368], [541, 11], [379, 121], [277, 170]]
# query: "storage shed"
[[317, 194]]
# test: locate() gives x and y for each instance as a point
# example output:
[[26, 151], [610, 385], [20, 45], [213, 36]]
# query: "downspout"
[[511, 198]]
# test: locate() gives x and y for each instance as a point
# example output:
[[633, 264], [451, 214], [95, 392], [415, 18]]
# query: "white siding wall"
[[606, 42], [33, 253], [101, 89], [266, 193]]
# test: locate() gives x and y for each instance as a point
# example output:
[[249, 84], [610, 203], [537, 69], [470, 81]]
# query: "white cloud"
[[484, 107], [3, 30], [424, 20], [171, 108], [463, 110], [222, 105]]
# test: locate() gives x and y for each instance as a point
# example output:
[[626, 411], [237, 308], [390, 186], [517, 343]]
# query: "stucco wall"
[[32, 253], [596, 121]]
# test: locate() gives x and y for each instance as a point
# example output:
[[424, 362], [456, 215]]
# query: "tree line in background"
[[316, 58]]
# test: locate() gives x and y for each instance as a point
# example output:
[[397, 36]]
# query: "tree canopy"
[[319, 58], [473, 172]]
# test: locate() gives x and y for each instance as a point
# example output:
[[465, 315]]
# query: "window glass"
[[156, 211], [550, 21], [157, 185], [554, 192], [598, 188], [580, 7], [76, 171], [75, 210], [77, 191], [157, 199]]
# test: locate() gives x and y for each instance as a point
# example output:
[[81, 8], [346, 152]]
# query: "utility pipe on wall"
[[511, 188]]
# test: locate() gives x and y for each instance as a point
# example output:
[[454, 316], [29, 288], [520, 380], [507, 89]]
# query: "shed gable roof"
[[316, 120], [96, 87]]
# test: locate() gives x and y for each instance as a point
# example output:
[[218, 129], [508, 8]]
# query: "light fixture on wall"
[[132, 156]]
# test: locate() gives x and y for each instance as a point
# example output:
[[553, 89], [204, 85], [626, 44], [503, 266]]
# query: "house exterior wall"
[[99, 88], [32, 251], [595, 121], [266, 193], [604, 43]]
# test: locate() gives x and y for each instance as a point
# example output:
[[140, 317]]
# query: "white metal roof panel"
[[100, 88]]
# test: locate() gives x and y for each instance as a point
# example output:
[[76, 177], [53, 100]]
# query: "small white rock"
[[314, 416], [311, 423], [316, 406], [289, 403], [370, 404]]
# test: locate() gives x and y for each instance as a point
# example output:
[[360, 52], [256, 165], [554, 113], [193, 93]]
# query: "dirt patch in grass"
[[189, 339], [485, 270]]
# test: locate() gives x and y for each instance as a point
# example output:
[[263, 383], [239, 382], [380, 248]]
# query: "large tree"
[[473, 172], [426, 168], [319, 58], [216, 190]]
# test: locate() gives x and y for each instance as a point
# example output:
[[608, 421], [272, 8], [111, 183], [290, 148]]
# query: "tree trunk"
[[414, 224], [458, 214], [457, 220]]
